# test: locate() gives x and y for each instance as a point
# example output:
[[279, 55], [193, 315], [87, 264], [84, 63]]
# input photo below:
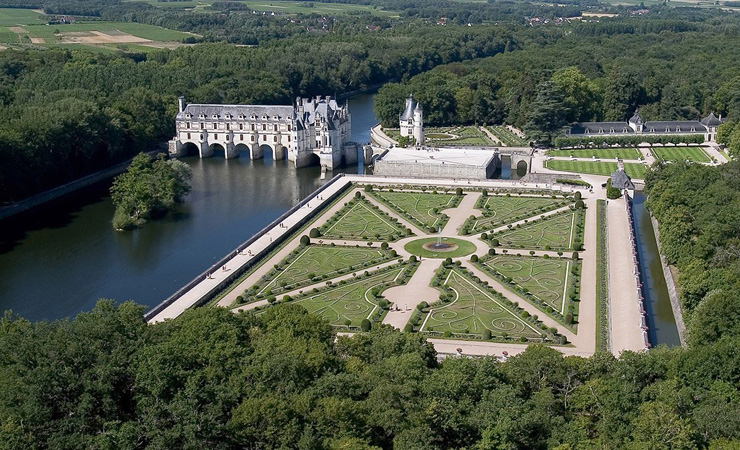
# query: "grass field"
[[423, 209], [459, 136], [557, 232], [473, 310], [499, 210], [681, 154], [316, 262], [299, 7], [634, 170], [507, 137], [602, 153], [8, 37], [349, 304], [547, 280], [15, 16], [359, 220], [462, 248], [113, 29]]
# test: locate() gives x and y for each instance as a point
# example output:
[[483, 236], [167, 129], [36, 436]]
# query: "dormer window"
[[215, 117], [202, 116], [228, 116], [611, 130], [264, 117], [652, 130], [693, 128], [253, 117], [188, 115], [241, 116]]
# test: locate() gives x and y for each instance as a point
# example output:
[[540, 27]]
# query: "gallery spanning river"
[[60, 260]]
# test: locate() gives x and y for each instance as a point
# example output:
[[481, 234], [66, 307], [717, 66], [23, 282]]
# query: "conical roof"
[[408, 112], [711, 120]]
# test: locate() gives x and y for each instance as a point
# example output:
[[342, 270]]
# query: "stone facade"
[[411, 121], [316, 130], [636, 126]]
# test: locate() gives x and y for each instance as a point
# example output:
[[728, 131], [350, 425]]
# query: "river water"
[[661, 322], [56, 262]]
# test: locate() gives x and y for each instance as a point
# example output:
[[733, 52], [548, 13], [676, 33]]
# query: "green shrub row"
[[626, 141]]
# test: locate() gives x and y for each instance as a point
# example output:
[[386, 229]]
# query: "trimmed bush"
[[408, 328], [486, 334], [474, 258], [305, 240], [365, 325], [458, 191]]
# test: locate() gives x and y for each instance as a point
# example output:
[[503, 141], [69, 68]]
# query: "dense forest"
[[670, 70], [213, 379]]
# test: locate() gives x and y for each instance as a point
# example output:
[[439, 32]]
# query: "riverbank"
[[671, 284]]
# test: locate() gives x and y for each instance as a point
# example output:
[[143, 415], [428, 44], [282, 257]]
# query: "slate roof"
[[675, 126], [408, 112], [601, 128], [636, 118], [621, 180], [195, 110], [711, 120]]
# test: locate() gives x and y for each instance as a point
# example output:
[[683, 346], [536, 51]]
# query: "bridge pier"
[[255, 152]]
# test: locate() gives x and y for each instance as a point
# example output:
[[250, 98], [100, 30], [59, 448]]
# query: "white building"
[[411, 121], [312, 131]]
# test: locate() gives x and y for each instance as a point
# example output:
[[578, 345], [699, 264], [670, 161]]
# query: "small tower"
[[418, 125], [406, 120], [181, 103], [636, 122]]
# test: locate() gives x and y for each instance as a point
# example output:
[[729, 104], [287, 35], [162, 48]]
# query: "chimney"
[[181, 103]]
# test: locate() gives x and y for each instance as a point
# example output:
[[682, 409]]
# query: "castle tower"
[[406, 120], [418, 125]]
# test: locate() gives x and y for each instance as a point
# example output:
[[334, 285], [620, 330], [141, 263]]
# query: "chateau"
[[411, 121], [706, 126], [313, 131]]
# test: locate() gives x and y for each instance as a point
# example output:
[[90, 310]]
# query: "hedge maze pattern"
[[499, 210], [473, 310], [557, 232], [359, 219], [419, 207]]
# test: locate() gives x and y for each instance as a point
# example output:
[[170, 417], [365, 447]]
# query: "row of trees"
[[215, 379], [629, 140]]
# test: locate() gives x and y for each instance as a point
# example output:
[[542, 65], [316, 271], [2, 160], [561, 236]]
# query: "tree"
[[580, 95], [547, 114]]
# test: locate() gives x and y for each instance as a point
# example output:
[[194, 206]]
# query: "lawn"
[[557, 232], [151, 32], [458, 247], [473, 310], [423, 209], [680, 154], [349, 304], [499, 210], [548, 281], [314, 263], [15, 16], [507, 137], [457, 136], [359, 219], [601, 153], [634, 170]]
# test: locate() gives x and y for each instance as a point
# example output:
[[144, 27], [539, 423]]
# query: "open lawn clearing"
[[556, 232], [602, 153], [349, 304], [359, 219], [634, 170], [473, 309], [423, 209], [695, 154], [499, 210], [18, 16], [104, 33], [314, 263], [547, 283]]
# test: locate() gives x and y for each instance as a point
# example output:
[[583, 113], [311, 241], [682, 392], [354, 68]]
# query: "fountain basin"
[[444, 247]]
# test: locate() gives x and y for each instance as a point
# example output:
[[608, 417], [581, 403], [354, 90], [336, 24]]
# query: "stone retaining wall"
[[638, 278], [672, 286]]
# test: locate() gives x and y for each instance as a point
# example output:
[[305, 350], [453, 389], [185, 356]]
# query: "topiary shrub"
[[575, 256], [577, 195], [412, 258], [486, 334], [365, 325], [408, 328], [239, 299], [368, 188], [569, 319], [458, 191], [495, 242], [580, 204], [314, 233], [422, 305], [491, 251], [384, 245], [448, 261], [358, 194], [305, 240], [474, 258]]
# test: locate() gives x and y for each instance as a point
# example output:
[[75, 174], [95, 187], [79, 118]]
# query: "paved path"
[[491, 136], [417, 290], [477, 348], [460, 214], [714, 152], [207, 285], [626, 333]]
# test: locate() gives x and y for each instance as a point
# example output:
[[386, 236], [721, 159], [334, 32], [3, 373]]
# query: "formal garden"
[[550, 284], [499, 210], [423, 209], [561, 231], [360, 219], [469, 309]]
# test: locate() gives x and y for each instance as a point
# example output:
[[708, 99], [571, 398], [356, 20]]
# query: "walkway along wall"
[[234, 275], [672, 286]]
